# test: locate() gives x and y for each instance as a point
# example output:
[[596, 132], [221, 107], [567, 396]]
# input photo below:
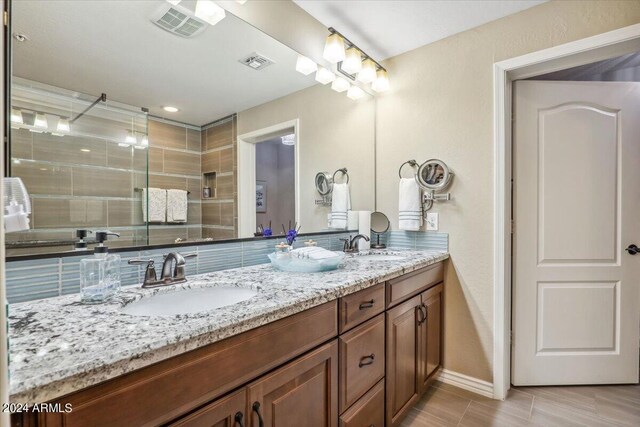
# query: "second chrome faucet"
[[351, 244]]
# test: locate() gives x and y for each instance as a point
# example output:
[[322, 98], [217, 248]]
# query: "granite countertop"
[[58, 345]]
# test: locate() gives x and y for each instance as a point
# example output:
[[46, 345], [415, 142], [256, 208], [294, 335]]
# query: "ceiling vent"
[[256, 61], [178, 20]]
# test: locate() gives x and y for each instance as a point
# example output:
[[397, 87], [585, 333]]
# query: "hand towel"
[[340, 204], [313, 252], [364, 228], [157, 198], [410, 205], [177, 206]]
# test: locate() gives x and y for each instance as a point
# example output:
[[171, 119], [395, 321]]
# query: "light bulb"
[[209, 11], [16, 116], [352, 63], [334, 49], [63, 125], [381, 84], [324, 76], [305, 66], [368, 72], [355, 93], [40, 121], [131, 138], [289, 139], [340, 84]]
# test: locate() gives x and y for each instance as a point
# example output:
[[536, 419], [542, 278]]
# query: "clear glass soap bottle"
[[100, 273]]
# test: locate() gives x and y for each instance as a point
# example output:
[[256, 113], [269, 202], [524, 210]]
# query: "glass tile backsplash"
[[45, 278]]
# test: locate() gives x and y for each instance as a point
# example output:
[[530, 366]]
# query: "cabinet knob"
[[256, 409], [238, 419]]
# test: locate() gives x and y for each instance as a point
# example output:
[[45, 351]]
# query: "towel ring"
[[411, 163], [344, 172]]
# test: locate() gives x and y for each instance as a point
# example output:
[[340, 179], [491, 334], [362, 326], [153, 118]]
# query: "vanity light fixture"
[[209, 12], [368, 72], [63, 126], [381, 83], [324, 76], [352, 63], [85, 150], [305, 65], [40, 121], [16, 116], [334, 48], [289, 139], [355, 93], [170, 109], [340, 84]]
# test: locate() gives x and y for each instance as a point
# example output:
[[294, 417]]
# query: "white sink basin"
[[188, 301], [380, 257]]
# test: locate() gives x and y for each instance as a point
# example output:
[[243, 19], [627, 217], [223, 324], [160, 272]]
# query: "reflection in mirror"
[[434, 175], [181, 110], [379, 225]]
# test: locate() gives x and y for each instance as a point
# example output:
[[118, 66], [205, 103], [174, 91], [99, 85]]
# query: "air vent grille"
[[178, 20], [256, 61]]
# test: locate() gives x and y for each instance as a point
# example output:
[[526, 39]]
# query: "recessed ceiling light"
[[209, 11], [170, 109]]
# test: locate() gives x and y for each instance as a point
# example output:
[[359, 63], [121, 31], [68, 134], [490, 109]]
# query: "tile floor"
[[445, 405]]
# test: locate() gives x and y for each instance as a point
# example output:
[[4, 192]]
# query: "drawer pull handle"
[[238, 418], [422, 314], [367, 304], [256, 409], [367, 360]]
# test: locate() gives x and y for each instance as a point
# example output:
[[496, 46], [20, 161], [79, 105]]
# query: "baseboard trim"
[[466, 382]]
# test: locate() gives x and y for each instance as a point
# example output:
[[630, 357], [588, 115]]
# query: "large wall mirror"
[[118, 104]]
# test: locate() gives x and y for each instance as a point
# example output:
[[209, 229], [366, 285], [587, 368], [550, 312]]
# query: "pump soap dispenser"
[[100, 274]]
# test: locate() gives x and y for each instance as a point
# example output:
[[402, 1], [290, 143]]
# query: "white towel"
[[177, 206], [410, 205], [157, 204], [313, 252], [340, 205]]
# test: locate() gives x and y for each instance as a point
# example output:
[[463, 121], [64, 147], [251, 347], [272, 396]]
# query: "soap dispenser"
[[81, 244], [100, 273]]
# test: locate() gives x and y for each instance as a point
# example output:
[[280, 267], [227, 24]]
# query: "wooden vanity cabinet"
[[229, 411]]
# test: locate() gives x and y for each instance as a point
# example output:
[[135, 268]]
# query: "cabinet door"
[[228, 411], [402, 360], [430, 334], [304, 392]]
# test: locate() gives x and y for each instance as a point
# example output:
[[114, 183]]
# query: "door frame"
[[247, 179], [602, 46]]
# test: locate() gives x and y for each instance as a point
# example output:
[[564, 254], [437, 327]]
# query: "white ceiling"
[[112, 47], [385, 28]]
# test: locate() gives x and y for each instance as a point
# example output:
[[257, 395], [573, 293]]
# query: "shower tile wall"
[[77, 181], [220, 212], [174, 163]]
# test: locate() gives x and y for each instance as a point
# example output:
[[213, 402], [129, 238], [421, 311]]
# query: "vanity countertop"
[[58, 345]]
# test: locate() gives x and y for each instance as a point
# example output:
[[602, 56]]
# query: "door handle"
[[238, 419], [256, 409], [633, 249]]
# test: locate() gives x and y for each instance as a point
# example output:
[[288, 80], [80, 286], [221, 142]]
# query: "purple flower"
[[267, 232], [291, 236]]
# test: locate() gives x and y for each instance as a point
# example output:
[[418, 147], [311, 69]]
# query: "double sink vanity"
[[243, 347]]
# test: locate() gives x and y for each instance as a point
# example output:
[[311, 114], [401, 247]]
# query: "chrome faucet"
[[172, 270], [351, 244]]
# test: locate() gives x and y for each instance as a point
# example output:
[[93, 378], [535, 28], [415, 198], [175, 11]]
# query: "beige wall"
[[335, 132], [441, 106]]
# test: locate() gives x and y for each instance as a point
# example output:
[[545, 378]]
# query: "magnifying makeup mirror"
[[324, 183], [379, 224], [434, 175]]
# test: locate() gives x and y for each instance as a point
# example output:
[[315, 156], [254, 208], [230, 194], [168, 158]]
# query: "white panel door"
[[576, 207]]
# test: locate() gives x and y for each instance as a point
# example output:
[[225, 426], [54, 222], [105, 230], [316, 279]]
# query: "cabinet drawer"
[[363, 305], [226, 411], [413, 283], [368, 411], [361, 360]]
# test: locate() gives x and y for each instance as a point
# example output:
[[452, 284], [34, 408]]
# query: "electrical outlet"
[[432, 221]]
